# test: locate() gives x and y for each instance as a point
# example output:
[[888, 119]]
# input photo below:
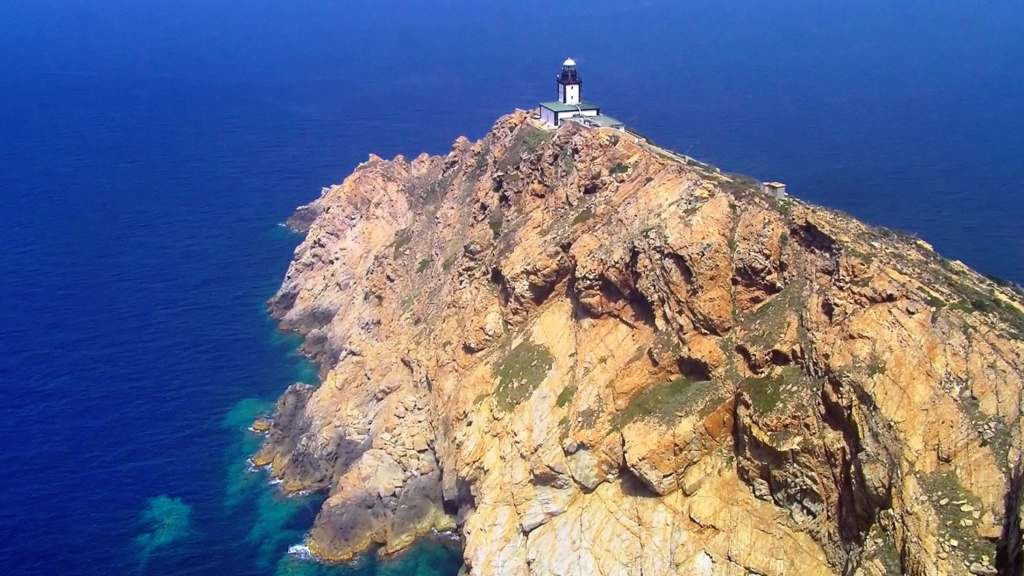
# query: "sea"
[[151, 149]]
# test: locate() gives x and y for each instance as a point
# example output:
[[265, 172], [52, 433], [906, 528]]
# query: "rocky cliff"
[[592, 356]]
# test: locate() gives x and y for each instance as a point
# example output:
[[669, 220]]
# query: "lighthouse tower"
[[569, 83]]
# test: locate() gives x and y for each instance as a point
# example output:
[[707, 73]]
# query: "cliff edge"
[[592, 356]]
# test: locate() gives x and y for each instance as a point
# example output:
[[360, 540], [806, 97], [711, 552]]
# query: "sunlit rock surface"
[[592, 356]]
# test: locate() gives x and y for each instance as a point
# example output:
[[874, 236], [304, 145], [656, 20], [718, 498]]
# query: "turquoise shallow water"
[[149, 151]]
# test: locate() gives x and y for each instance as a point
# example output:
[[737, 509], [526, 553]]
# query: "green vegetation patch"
[[641, 136], [740, 185], [584, 215], [747, 181], [1006, 284], [883, 548], [995, 434], [568, 163], [783, 206], [449, 262], [963, 306], [876, 366], [651, 230], [663, 401], [668, 157], [931, 299], [529, 139], [534, 137], [480, 166], [402, 239], [987, 302], [566, 396], [520, 372], [409, 301], [619, 168], [423, 265], [944, 486], [767, 325], [767, 393]]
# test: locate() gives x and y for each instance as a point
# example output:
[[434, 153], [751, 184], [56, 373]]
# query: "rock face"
[[592, 356]]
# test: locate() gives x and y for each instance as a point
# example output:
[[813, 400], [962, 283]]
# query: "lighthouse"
[[569, 83], [570, 104]]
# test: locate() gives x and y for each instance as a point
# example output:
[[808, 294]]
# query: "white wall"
[[569, 94], [548, 116], [572, 95]]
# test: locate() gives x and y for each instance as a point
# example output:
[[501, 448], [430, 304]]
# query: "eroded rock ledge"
[[591, 356]]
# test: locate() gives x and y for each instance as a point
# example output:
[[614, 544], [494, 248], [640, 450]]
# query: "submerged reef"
[[168, 520]]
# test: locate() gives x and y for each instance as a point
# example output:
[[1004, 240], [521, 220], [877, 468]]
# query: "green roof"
[[559, 107]]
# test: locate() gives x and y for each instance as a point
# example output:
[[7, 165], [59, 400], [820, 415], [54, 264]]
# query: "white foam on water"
[[452, 535], [252, 468], [301, 551]]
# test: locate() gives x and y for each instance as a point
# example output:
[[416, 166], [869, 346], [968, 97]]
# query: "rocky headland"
[[589, 355]]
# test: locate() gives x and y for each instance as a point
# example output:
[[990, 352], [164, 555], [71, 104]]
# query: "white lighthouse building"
[[570, 103], [569, 83]]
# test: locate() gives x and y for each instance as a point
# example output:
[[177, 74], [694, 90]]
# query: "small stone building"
[[776, 189]]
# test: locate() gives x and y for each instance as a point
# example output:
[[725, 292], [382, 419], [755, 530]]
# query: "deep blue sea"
[[150, 149]]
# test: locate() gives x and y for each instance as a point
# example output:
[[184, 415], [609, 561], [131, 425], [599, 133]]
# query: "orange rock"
[[657, 371]]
